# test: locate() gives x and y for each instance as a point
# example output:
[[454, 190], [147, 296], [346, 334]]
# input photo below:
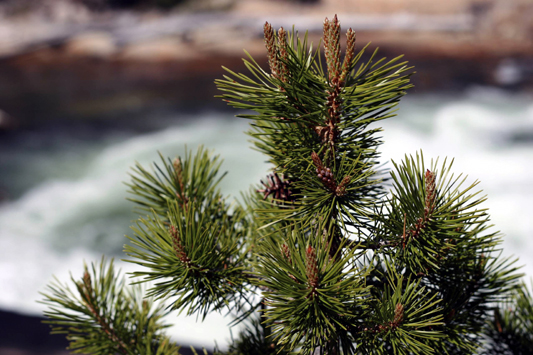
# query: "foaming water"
[[62, 220], [478, 131]]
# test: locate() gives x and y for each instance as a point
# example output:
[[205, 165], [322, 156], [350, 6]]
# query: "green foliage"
[[510, 331], [100, 315], [191, 243], [253, 339], [330, 255], [182, 180], [311, 297], [292, 122], [401, 318], [198, 259]]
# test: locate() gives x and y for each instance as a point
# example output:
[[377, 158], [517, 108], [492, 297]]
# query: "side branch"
[[86, 291], [429, 205], [328, 180], [178, 248]]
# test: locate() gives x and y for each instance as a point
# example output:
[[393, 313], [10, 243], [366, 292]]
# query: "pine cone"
[[278, 188]]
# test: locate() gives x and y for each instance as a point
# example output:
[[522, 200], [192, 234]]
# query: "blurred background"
[[88, 87]]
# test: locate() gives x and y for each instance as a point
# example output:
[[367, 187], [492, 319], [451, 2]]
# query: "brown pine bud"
[[332, 48], [177, 165], [341, 189], [179, 173], [326, 38], [398, 315], [324, 174], [282, 45], [311, 268], [316, 160], [430, 192], [336, 47], [270, 43], [178, 247], [349, 56], [286, 252], [87, 284]]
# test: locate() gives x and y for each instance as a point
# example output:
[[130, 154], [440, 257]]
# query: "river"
[[65, 198]]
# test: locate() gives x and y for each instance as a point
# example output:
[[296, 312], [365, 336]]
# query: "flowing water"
[[66, 198]]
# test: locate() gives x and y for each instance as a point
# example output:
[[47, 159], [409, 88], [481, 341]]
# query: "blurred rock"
[[160, 49], [509, 20], [73, 61], [211, 5], [52, 10], [91, 44]]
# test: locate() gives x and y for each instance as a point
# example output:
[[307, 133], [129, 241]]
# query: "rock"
[[91, 44], [160, 49], [65, 11], [505, 20]]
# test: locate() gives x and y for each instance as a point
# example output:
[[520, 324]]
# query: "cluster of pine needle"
[[330, 254]]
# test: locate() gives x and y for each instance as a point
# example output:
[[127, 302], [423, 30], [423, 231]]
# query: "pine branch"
[[510, 331], [198, 260], [430, 212], [320, 115], [333, 261], [102, 316], [192, 242], [311, 298], [403, 318], [193, 179]]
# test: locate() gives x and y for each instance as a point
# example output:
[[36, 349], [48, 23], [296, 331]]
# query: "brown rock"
[[160, 49], [91, 44]]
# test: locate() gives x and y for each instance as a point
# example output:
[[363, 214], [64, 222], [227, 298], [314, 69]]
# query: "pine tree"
[[330, 253]]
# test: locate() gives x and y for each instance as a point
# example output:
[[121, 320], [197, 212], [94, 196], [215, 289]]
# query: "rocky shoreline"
[[113, 63]]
